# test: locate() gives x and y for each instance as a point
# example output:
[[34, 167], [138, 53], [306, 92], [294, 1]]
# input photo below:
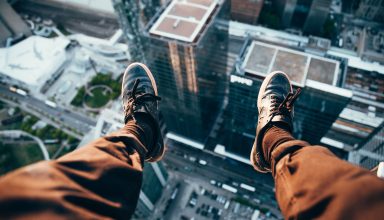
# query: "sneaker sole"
[[254, 151]]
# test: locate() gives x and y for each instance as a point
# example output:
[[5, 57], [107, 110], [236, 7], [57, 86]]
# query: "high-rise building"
[[154, 180], [246, 11], [133, 15], [187, 53], [357, 130], [307, 15], [370, 152], [371, 10], [316, 109]]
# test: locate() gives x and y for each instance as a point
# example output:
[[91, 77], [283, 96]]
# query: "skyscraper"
[[307, 15], [371, 151], [133, 15], [316, 109], [154, 180], [187, 53]]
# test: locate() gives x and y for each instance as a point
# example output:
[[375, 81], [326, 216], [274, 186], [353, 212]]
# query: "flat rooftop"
[[184, 19], [263, 58]]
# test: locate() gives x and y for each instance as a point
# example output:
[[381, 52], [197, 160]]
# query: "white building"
[[33, 61]]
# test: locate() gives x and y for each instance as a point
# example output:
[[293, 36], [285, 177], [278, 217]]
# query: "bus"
[[229, 188], [247, 187], [51, 104]]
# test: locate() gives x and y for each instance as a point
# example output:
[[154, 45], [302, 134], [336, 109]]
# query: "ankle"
[[142, 127], [276, 135]]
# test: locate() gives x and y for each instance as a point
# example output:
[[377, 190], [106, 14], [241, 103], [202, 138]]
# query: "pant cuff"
[[284, 149]]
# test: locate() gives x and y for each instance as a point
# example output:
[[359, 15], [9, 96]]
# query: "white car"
[[203, 162]]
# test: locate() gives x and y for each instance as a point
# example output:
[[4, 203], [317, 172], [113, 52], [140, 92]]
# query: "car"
[[183, 217], [192, 202], [227, 204], [257, 201], [203, 162], [221, 199]]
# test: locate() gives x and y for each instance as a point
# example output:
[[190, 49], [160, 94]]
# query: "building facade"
[[133, 16], [187, 54], [246, 11], [308, 16], [154, 180], [371, 10], [316, 109], [373, 145]]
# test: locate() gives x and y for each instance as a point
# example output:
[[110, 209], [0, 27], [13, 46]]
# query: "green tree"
[[78, 100]]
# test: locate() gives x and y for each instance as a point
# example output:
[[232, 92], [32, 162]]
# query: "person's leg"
[[311, 182], [100, 180]]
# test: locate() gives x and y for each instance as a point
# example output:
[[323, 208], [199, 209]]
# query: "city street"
[[189, 176], [64, 118], [184, 159]]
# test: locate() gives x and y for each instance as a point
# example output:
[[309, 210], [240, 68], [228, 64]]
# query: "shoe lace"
[[286, 106], [139, 99]]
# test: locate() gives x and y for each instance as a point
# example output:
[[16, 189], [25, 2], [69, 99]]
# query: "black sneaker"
[[139, 92], [275, 106]]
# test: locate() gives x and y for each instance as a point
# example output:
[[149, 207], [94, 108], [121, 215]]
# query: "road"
[[220, 169], [73, 121]]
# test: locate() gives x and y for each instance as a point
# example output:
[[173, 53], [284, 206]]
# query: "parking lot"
[[195, 198]]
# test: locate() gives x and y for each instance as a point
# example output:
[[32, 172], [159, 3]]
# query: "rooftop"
[[262, 59], [184, 19], [34, 59]]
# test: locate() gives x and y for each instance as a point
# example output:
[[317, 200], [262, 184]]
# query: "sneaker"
[[275, 106], [139, 93]]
